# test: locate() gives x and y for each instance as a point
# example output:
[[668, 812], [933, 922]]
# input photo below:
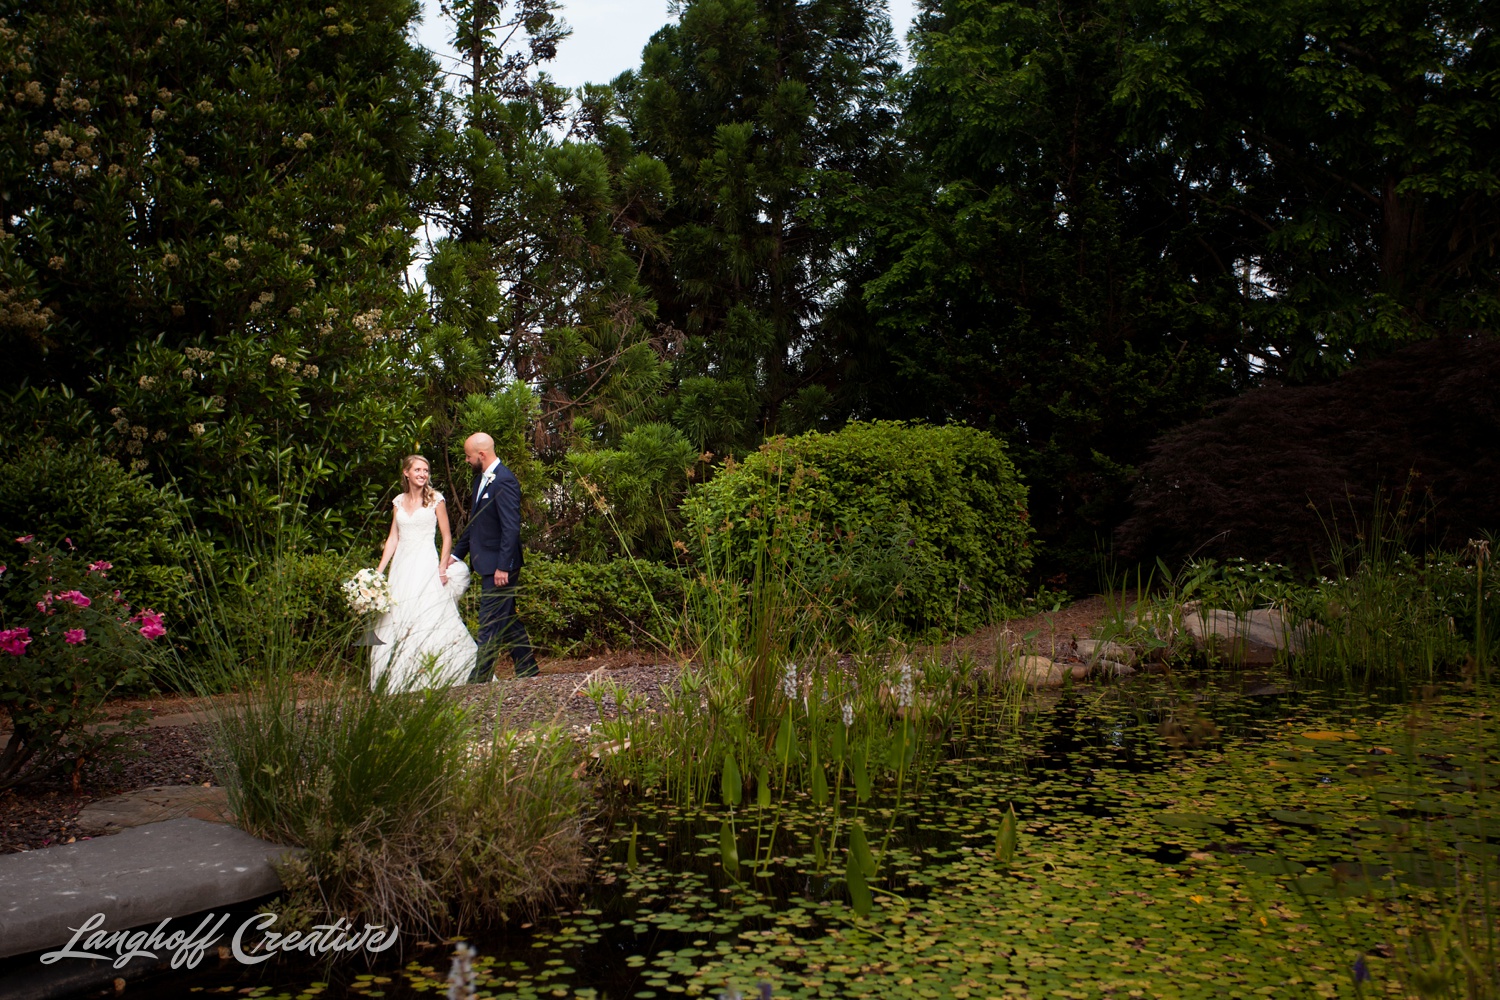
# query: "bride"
[[426, 643]]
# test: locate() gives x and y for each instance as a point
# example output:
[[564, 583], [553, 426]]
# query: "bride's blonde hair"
[[429, 495]]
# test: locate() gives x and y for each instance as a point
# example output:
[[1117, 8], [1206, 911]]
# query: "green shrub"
[[574, 608], [627, 497], [61, 494], [922, 526]]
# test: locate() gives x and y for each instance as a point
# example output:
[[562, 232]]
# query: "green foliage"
[[288, 594], [923, 526], [537, 276], [581, 607], [68, 640], [761, 112], [507, 416], [626, 498], [212, 220], [59, 493], [404, 816], [1114, 214]]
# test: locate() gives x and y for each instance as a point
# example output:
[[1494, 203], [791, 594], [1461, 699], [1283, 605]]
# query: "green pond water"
[[1174, 841]]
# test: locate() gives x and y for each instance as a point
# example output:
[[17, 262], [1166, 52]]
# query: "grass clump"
[[407, 811]]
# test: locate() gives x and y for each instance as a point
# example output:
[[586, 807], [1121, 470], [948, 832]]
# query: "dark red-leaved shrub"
[[1422, 424]]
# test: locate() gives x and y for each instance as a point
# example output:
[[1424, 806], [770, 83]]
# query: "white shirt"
[[484, 480]]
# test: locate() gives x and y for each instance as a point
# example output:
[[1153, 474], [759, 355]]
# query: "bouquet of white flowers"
[[368, 592]]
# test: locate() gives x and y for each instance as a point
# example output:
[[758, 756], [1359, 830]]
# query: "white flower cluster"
[[368, 592], [904, 689]]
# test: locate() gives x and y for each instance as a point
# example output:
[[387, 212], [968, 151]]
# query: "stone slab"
[[155, 805], [138, 876]]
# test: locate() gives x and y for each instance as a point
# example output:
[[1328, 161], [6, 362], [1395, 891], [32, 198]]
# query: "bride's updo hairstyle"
[[429, 495]]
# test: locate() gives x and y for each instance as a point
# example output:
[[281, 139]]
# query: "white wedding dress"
[[426, 641]]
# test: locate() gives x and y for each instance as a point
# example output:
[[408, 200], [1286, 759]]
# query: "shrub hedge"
[[572, 608], [921, 526]]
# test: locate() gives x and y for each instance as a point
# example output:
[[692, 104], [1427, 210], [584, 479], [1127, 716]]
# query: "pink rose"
[[25, 539], [151, 626], [3, 568], [15, 640], [101, 567], [74, 636], [76, 598]]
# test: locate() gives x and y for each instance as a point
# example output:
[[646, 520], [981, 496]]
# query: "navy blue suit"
[[492, 541]]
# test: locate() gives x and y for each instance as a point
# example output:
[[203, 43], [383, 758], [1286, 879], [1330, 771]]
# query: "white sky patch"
[[607, 38]]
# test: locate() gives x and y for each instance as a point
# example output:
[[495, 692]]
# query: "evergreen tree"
[[771, 116], [1115, 213], [545, 214]]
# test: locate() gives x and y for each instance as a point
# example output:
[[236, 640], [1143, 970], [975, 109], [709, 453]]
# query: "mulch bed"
[[47, 814]]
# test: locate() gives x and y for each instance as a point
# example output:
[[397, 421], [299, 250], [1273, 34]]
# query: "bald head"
[[479, 450]]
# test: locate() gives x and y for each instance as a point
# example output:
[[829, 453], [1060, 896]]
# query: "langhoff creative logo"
[[187, 947]]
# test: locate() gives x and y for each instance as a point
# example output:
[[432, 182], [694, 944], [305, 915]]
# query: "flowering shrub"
[[68, 638]]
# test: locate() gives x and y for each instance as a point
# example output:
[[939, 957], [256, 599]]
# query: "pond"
[[1173, 839]]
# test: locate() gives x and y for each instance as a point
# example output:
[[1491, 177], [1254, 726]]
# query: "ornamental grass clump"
[[68, 640], [408, 812]]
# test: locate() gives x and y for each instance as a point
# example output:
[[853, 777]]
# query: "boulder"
[[1113, 668], [1039, 671]]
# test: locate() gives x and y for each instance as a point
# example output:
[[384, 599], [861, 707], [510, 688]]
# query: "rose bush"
[[68, 639]]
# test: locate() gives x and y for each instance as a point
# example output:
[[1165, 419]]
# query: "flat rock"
[[155, 805], [1253, 638], [141, 875]]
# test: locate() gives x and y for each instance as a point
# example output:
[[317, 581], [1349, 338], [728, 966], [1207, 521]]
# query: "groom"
[[492, 541]]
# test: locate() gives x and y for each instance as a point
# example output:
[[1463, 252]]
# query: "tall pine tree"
[[771, 116]]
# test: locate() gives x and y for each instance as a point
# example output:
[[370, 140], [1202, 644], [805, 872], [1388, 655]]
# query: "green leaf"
[[859, 890], [1005, 839], [729, 850], [763, 788], [731, 785], [786, 740], [859, 850], [861, 776]]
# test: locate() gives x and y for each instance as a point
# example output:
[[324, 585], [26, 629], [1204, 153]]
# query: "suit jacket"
[[492, 538]]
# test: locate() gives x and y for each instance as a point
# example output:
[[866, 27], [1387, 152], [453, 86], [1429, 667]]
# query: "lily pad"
[[1269, 865], [1297, 817], [1190, 821]]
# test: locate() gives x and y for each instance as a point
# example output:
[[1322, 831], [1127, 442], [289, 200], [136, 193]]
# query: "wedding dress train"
[[426, 643]]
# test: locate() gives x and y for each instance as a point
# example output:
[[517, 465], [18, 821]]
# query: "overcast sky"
[[607, 38]]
